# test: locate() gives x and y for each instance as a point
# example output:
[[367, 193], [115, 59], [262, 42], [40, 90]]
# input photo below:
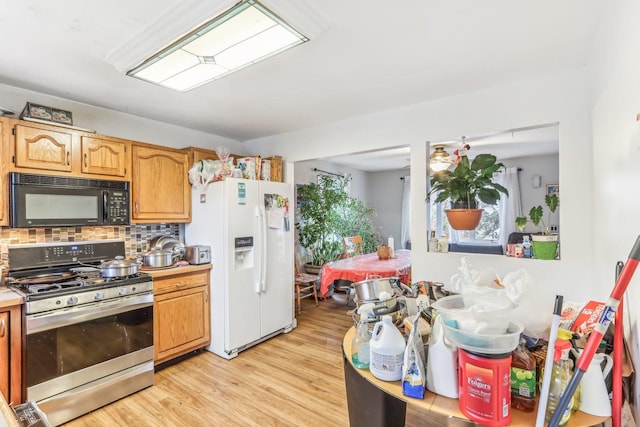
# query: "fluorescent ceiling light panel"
[[243, 35]]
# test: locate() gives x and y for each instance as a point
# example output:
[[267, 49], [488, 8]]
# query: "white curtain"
[[510, 207], [405, 230]]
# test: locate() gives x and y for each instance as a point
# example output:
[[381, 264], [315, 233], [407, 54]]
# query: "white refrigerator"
[[249, 226]]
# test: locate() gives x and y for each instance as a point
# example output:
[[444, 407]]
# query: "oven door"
[[69, 348]]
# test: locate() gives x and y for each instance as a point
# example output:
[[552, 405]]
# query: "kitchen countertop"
[[440, 407], [170, 271], [7, 417], [9, 297]]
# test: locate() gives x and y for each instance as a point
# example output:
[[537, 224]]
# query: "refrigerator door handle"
[[263, 248], [259, 281]]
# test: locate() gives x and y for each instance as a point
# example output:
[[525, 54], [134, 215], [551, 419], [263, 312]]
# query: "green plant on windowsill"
[[536, 215]]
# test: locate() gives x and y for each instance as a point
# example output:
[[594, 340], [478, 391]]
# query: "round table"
[[373, 402], [362, 267]]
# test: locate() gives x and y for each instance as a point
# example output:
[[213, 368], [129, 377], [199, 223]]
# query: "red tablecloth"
[[361, 267]]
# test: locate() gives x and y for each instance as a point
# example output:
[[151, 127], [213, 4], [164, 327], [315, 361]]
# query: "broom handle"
[[618, 348], [598, 332]]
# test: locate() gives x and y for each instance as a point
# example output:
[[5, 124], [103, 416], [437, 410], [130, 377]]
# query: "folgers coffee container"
[[485, 387]]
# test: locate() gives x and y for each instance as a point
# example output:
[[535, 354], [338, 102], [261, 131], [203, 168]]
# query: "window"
[[487, 232]]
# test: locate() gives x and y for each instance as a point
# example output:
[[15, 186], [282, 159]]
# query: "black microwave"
[[60, 201]]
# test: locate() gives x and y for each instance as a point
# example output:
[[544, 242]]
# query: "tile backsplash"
[[135, 236]]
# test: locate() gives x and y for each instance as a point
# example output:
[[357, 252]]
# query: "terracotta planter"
[[464, 219]]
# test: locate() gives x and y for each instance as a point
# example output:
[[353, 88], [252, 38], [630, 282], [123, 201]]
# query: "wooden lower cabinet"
[[10, 351], [181, 312]]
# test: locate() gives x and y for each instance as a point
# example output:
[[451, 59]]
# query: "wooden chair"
[[352, 246], [305, 286]]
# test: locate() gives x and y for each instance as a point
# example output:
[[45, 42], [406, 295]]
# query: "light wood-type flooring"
[[293, 379]]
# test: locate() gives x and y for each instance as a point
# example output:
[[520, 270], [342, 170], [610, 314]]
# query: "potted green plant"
[[327, 213], [464, 186], [545, 244]]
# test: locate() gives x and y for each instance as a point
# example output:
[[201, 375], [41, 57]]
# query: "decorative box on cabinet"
[[181, 311], [160, 190]]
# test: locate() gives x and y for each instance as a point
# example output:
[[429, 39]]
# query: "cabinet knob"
[[180, 284], [85, 160], [68, 158], [3, 328]]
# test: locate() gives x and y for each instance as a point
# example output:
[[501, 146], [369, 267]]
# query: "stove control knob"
[[98, 296], [122, 292], [72, 301]]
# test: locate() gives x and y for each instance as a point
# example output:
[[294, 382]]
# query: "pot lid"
[[118, 262]]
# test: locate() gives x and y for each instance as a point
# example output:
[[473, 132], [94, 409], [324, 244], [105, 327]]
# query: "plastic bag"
[[414, 379], [517, 286]]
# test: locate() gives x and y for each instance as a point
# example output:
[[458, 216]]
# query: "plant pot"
[[545, 246], [464, 219], [312, 269]]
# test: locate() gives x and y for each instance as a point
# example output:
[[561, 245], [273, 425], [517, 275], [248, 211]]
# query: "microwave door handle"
[[105, 207]]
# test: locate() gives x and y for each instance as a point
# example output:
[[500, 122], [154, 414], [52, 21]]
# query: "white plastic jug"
[[594, 398], [442, 363], [387, 351]]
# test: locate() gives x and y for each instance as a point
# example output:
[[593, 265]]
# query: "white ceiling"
[[363, 57]]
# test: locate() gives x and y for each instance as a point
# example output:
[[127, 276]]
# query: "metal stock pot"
[[118, 267], [370, 289]]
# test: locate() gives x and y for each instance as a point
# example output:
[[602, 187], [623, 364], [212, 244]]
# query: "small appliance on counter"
[[198, 254]]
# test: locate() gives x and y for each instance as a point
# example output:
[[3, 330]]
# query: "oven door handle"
[[69, 316]]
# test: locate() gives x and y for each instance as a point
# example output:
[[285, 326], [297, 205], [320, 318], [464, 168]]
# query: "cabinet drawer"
[[180, 282]]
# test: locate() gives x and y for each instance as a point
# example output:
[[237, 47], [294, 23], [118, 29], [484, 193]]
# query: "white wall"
[[560, 97], [547, 167], [121, 125], [616, 154]]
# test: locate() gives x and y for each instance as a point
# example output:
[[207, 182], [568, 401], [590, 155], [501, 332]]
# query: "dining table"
[[362, 267]]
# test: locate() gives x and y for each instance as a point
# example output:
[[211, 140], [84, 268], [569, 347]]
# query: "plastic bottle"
[[523, 378], [386, 351], [360, 351], [526, 247], [560, 376], [443, 243], [442, 363]]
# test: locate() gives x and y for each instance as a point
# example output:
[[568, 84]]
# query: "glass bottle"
[[526, 247], [433, 242], [360, 346], [523, 378], [560, 376]]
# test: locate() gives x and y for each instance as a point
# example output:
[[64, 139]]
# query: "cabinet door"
[[204, 155], [43, 149], [103, 157], [160, 185], [181, 322], [5, 368]]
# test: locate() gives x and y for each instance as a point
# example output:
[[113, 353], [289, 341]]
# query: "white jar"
[[387, 351]]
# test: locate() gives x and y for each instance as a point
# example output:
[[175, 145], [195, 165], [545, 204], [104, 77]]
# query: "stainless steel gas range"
[[88, 339]]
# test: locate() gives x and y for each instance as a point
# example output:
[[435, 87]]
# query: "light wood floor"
[[294, 379]]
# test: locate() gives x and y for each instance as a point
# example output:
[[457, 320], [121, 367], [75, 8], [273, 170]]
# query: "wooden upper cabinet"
[[160, 189], [53, 150], [38, 148], [103, 156], [197, 154]]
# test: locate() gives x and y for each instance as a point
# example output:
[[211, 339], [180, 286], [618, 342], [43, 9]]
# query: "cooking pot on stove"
[[118, 267]]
